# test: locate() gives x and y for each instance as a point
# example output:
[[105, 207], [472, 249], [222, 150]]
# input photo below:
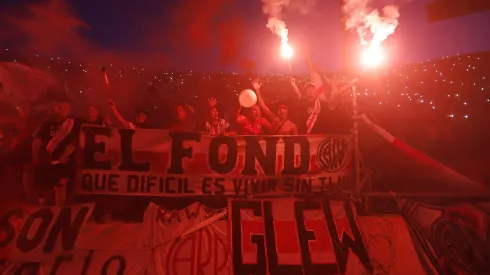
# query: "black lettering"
[[121, 265], [231, 156], [27, 268], [220, 188], [271, 185], [237, 185], [306, 186], [206, 185], [270, 238], [289, 159], [127, 163], [305, 236], [256, 186], [254, 152], [58, 262], [92, 148], [151, 182], [26, 245], [288, 185], [236, 240], [69, 232], [342, 247], [179, 152], [167, 185], [132, 184], [87, 182], [112, 182], [7, 227], [185, 186], [87, 261], [100, 184]]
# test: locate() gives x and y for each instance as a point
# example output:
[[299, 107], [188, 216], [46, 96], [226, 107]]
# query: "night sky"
[[215, 35]]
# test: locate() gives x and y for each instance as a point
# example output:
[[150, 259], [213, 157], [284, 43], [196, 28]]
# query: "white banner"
[[40, 233], [191, 241], [146, 162]]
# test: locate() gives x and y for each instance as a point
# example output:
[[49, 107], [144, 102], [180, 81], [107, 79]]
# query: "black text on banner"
[[308, 245], [195, 164], [45, 231]]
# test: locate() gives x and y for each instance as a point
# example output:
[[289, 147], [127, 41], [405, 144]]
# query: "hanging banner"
[[454, 238], [99, 262], [389, 245], [85, 262], [191, 241], [160, 163], [284, 236], [42, 232]]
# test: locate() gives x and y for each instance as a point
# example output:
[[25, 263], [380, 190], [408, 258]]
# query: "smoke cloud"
[[275, 9], [372, 26]]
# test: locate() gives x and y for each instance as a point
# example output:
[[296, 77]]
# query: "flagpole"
[[357, 158]]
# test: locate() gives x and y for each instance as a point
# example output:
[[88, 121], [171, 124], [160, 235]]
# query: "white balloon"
[[247, 98]]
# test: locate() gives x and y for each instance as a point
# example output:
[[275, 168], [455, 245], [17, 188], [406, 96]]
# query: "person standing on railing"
[[281, 125]]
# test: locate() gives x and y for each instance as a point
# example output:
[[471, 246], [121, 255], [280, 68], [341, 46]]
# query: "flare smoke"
[[275, 8], [373, 28]]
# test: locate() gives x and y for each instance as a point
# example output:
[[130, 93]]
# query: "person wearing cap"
[[53, 154], [140, 117], [281, 125], [311, 109], [322, 116]]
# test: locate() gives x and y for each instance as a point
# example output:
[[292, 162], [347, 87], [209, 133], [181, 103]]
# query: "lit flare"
[[286, 50]]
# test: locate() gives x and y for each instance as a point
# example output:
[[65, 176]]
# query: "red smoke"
[[52, 28], [199, 26]]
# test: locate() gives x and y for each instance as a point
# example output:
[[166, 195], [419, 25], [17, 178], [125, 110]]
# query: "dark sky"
[[213, 35]]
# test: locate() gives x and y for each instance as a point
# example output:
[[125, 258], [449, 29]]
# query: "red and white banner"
[[160, 163], [251, 236], [284, 236], [192, 241], [42, 232]]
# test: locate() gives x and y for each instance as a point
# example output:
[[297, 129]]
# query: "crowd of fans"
[[439, 107]]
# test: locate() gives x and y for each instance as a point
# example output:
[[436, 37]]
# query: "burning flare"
[[274, 9], [286, 50], [372, 27]]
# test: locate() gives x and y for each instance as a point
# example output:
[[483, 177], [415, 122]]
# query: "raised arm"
[[292, 81], [260, 100], [337, 93], [119, 117], [240, 119]]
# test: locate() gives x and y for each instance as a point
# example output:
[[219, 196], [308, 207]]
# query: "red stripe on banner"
[[417, 155]]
